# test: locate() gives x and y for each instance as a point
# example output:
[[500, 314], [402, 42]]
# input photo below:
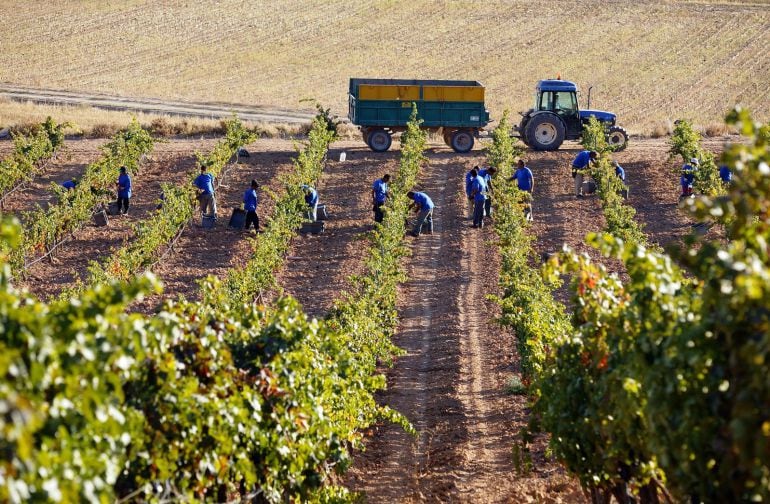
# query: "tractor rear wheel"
[[545, 132], [617, 138], [379, 140], [462, 141]]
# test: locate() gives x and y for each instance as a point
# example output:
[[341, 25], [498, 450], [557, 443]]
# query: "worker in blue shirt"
[[621, 174], [424, 205], [468, 183], [580, 168], [525, 182], [619, 171], [124, 190], [486, 174], [380, 196], [725, 174], [311, 198], [479, 194], [250, 205], [687, 179], [70, 184], [205, 185]]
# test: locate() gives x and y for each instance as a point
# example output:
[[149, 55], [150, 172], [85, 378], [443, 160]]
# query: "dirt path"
[[397, 467], [69, 162], [201, 252], [91, 243], [318, 267], [208, 110]]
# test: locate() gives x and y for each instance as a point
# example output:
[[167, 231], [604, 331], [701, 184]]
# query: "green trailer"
[[381, 107]]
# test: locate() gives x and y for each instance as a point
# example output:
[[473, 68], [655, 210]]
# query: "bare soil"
[[451, 383], [202, 252], [319, 266]]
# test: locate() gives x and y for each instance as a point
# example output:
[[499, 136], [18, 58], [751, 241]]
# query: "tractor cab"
[[560, 98], [556, 117]]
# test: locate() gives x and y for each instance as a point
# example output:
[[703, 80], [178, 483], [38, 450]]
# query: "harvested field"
[[646, 60]]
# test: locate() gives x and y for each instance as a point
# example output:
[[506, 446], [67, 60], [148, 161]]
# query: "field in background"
[[649, 61]]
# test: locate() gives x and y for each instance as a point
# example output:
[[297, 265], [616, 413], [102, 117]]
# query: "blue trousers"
[[478, 212]]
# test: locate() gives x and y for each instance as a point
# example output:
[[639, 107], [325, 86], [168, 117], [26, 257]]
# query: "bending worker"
[[424, 206], [311, 199], [580, 168]]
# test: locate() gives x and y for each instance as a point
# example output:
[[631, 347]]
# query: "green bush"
[[45, 228], [662, 379], [30, 153], [686, 143]]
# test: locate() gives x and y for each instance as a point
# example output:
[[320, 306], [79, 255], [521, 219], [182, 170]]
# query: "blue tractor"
[[557, 117]]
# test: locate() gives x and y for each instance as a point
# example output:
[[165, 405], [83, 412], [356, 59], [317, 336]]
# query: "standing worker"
[[124, 190], [468, 182], [479, 195], [580, 167], [688, 177], [250, 205], [424, 206], [311, 198], [205, 184], [486, 175], [525, 182], [379, 196]]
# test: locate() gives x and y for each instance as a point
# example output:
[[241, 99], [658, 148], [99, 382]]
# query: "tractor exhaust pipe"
[[589, 97]]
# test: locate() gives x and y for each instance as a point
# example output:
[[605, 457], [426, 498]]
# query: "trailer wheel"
[[448, 137], [379, 140], [462, 141], [365, 135], [617, 138]]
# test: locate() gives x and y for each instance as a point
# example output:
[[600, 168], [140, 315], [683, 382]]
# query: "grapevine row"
[[686, 143], [268, 250], [618, 215], [29, 155], [656, 389], [178, 208], [527, 304], [46, 228]]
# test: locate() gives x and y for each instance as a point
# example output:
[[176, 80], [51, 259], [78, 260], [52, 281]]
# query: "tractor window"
[[564, 102], [557, 101]]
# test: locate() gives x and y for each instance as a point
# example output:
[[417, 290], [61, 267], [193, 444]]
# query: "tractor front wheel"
[[379, 140], [462, 141], [545, 132], [617, 138]]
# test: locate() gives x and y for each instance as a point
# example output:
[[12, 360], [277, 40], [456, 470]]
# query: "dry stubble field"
[[650, 61]]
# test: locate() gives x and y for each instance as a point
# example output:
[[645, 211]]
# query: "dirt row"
[[319, 266]]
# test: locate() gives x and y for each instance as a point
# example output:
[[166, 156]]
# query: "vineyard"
[[612, 348]]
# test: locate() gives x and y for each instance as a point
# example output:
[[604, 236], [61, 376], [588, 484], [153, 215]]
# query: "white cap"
[[694, 161]]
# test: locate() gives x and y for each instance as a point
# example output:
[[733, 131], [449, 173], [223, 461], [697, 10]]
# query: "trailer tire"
[[379, 140], [617, 138], [545, 132], [462, 141]]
